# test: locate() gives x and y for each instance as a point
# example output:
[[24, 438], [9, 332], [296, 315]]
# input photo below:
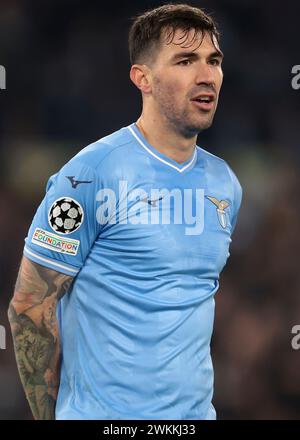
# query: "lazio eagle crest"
[[221, 206]]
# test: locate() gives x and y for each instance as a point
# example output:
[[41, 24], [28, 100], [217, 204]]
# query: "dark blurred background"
[[67, 85]]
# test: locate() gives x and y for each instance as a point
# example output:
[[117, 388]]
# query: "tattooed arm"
[[32, 316]]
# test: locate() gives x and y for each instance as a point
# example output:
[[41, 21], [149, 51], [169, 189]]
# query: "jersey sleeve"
[[238, 201], [64, 228], [237, 195]]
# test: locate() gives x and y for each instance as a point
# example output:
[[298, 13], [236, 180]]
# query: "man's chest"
[[185, 222]]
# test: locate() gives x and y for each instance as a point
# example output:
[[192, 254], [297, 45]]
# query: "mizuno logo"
[[75, 182], [221, 206]]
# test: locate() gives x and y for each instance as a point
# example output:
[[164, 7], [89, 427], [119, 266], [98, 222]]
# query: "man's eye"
[[184, 62], [215, 62]]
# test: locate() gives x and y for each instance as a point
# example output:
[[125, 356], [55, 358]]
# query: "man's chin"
[[196, 128], [191, 128]]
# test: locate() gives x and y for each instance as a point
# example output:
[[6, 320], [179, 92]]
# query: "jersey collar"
[[159, 156]]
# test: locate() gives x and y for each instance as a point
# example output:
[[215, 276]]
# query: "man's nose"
[[205, 75]]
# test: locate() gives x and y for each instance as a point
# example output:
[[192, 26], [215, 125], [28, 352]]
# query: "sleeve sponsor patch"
[[65, 215], [54, 242]]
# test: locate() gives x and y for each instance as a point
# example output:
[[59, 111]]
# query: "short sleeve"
[[64, 228]]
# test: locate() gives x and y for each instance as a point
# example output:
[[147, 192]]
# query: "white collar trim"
[[180, 170]]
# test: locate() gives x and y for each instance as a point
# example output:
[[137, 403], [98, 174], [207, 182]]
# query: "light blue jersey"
[[146, 239]]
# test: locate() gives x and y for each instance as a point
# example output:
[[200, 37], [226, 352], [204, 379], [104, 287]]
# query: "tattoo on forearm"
[[32, 315]]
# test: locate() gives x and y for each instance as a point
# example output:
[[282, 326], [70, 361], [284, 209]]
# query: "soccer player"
[[113, 308]]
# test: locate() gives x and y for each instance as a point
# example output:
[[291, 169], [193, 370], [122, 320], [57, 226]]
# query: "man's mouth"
[[205, 101]]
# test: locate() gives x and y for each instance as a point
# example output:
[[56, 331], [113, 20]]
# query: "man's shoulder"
[[210, 158], [219, 165], [96, 153]]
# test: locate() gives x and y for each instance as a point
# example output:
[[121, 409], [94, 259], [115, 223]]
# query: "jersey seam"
[[106, 155]]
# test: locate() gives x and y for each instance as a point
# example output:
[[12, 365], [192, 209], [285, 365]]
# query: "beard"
[[183, 118]]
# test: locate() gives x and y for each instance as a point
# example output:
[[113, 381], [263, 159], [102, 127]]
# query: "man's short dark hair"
[[147, 28]]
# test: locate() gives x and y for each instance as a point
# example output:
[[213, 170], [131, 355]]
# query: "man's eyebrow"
[[179, 55], [215, 54]]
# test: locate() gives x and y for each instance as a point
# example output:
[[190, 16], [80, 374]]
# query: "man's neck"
[[165, 140]]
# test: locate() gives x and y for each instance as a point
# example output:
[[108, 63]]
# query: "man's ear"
[[140, 76]]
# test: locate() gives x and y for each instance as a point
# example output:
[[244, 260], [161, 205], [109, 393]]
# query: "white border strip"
[[180, 170], [46, 260]]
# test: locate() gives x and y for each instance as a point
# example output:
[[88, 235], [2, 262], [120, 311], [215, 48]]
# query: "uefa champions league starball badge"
[[65, 215]]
